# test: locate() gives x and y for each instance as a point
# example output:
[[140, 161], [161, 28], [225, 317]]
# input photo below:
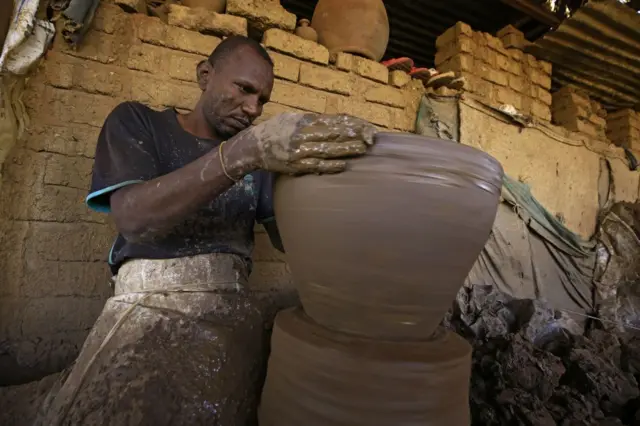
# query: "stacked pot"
[[378, 254]]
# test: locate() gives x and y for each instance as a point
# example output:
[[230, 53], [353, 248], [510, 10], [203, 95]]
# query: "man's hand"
[[294, 143]]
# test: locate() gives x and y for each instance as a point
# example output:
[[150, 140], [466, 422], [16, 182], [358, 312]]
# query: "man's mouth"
[[239, 123]]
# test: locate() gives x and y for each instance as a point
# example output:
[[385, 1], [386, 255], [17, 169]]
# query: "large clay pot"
[[381, 249], [218, 6], [353, 26], [317, 377]]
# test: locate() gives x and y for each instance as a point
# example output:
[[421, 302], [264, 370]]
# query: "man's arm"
[[149, 210]]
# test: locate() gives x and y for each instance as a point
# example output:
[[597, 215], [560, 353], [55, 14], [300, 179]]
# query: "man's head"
[[236, 81]]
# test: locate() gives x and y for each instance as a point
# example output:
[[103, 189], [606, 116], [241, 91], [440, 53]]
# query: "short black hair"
[[232, 43]]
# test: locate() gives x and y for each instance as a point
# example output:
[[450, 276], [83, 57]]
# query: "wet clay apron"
[[180, 343]]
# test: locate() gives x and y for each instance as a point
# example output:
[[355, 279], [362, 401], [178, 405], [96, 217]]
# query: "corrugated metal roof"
[[597, 50], [415, 24]]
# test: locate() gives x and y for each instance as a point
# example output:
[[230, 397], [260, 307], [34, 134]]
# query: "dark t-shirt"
[[137, 144]]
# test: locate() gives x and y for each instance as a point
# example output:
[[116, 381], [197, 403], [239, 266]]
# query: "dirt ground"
[[528, 369]]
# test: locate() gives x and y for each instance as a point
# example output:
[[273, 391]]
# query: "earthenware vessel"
[[381, 249], [360, 27], [305, 31], [318, 377], [218, 6]]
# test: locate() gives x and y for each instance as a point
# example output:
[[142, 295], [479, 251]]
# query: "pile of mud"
[[530, 367]]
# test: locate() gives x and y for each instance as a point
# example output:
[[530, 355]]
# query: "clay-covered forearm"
[[150, 210]]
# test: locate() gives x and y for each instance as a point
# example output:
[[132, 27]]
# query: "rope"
[[121, 320]]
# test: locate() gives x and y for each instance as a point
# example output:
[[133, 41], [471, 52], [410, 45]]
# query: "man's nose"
[[252, 107]]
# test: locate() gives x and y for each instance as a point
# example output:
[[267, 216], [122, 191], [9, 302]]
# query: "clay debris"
[[531, 368]]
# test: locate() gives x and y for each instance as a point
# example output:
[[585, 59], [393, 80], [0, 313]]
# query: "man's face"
[[235, 91]]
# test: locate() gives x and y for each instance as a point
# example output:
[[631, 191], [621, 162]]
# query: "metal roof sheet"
[[597, 50]]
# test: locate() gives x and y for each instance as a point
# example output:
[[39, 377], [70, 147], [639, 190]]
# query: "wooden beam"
[[534, 10]]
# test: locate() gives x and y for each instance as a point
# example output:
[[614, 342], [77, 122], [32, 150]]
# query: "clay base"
[[318, 377]]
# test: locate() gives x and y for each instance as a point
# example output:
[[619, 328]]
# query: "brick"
[[599, 122], [272, 109], [206, 21], [75, 140], [509, 29], [154, 31], [479, 86], [262, 15], [60, 204], [569, 96], [326, 79], [54, 314], [453, 33], [463, 44], [76, 107], [284, 42], [399, 78], [405, 120], [370, 69], [344, 61], [285, 67], [544, 96], [300, 97], [506, 63], [96, 78], [479, 39], [386, 95], [461, 62], [97, 46], [531, 61], [376, 114], [498, 77], [540, 78], [545, 66], [515, 41], [516, 54], [145, 57], [182, 66], [517, 83], [109, 18], [58, 74], [506, 96], [82, 242], [74, 172], [540, 110], [190, 41], [625, 118], [494, 42], [159, 93]]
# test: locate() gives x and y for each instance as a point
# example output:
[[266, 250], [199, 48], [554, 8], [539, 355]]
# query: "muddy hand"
[[295, 143]]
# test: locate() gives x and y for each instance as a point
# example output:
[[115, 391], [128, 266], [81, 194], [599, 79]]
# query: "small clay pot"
[[382, 249], [305, 31], [316, 377], [360, 27], [218, 6]]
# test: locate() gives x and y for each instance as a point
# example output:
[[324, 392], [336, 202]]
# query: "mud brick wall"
[[575, 111], [623, 129], [497, 69], [53, 274]]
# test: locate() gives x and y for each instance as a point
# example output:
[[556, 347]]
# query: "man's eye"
[[243, 89]]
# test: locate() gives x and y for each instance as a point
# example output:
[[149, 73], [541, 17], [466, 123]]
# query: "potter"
[[182, 340]]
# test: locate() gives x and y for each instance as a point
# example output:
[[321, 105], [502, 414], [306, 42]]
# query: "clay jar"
[[317, 377], [305, 31], [218, 6], [381, 249], [360, 27]]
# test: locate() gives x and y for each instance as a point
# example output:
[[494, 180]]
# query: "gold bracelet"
[[224, 169]]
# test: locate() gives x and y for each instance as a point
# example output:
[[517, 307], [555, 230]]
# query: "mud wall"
[[53, 274], [562, 138]]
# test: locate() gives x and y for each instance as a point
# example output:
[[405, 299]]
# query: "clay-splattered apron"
[[181, 343]]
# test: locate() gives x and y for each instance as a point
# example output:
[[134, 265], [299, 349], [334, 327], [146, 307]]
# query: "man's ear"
[[204, 70]]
